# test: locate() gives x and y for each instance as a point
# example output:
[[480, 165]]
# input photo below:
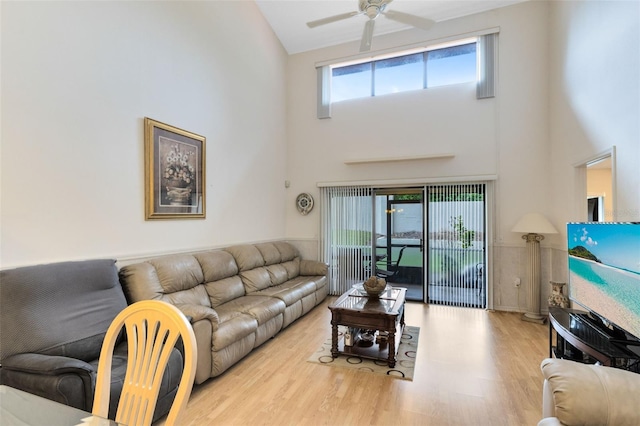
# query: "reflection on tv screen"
[[604, 271]]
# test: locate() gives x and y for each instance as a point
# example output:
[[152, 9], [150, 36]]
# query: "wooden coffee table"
[[365, 314]]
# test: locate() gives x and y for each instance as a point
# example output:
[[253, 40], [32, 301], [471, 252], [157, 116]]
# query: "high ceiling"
[[288, 18]]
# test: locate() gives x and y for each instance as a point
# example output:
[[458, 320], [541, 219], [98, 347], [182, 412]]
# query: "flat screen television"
[[604, 274]]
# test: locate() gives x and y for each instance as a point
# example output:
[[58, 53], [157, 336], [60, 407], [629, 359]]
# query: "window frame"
[[424, 51], [487, 43]]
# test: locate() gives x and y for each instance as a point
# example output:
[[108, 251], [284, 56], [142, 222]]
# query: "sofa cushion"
[[83, 349], [309, 285], [224, 290], [319, 281], [270, 253], [178, 272], [152, 280], [262, 308], [193, 296], [277, 273], [291, 291], [255, 279], [247, 256], [140, 282], [287, 251], [234, 326], [217, 265], [292, 267], [71, 304], [289, 295]]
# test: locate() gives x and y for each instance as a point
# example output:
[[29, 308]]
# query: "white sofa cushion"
[[591, 394]]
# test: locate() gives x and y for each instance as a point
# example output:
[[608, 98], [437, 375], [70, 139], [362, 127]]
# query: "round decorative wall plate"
[[304, 203]]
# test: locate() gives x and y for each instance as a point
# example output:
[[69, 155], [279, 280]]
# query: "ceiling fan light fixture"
[[372, 11]]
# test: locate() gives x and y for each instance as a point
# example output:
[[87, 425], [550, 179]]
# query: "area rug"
[[405, 361]]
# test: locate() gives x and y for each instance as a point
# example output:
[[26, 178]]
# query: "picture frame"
[[175, 172]]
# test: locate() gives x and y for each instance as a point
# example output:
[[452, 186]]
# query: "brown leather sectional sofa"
[[236, 298]]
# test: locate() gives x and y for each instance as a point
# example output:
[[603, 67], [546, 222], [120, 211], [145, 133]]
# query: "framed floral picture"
[[174, 172]]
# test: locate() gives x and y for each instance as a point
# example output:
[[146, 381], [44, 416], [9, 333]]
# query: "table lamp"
[[532, 225]]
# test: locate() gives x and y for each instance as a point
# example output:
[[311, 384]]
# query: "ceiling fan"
[[373, 9]]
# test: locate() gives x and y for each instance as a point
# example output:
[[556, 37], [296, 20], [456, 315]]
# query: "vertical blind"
[[487, 65], [347, 222], [324, 91], [456, 226], [456, 229]]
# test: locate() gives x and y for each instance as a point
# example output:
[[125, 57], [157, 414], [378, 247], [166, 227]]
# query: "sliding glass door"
[[399, 230], [346, 242], [457, 241], [371, 231]]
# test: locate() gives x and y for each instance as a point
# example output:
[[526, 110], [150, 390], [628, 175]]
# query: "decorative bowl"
[[363, 292], [374, 292], [374, 286]]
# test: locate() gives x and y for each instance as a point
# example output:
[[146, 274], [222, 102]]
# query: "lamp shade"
[[534, 223]]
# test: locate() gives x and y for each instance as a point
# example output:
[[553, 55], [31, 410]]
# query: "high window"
[[414, 71], [472, 59]]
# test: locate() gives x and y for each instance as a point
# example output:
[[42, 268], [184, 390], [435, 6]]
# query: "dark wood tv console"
[[579, 340]]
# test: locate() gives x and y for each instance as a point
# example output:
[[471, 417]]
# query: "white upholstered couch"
[[589, 395]]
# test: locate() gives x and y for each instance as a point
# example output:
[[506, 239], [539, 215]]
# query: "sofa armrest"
[[66, 380], [196, 313], [204, 321], [312, 268], [592, 394], [46, 364]]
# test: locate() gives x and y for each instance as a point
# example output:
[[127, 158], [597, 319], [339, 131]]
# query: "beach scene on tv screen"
[[604, 271]]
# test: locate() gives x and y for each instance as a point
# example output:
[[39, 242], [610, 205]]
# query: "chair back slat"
[[153, 328]]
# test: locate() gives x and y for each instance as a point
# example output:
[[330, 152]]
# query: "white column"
[[533, 274]]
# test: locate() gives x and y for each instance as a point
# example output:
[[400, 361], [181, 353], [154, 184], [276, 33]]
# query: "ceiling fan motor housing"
[[372, 8]]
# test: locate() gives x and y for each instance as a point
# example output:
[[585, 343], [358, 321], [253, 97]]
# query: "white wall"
[[594, 107], [506, 136], [78, 78], [595, 99]]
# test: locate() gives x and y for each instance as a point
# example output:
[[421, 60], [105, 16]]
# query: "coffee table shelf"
[[386, 313], [379, 351]]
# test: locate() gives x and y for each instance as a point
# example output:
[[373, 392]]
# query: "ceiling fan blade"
[[367, 36], [413, 20], [331, 19]]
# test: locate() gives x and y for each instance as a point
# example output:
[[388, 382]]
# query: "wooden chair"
[[153, 328]]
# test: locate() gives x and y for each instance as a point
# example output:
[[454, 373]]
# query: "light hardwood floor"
[[473, 367]]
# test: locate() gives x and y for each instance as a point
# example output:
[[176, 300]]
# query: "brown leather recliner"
[[53, 319]]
